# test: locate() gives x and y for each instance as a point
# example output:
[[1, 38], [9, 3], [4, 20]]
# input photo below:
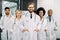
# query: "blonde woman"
[[17, 32]]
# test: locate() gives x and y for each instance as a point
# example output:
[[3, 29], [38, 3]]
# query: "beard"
[[7, 13], [31, 11], [49, 15]]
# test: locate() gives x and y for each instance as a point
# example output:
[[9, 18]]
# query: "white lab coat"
[[31, 24], [51, 28], [42, 33], [6, 26], [16, 27]]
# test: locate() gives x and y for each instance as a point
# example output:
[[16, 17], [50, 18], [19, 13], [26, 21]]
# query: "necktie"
[[49, 18], [31, 16]]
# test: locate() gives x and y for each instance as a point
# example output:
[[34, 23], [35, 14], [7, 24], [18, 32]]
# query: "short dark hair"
[[41, 9], [7, 8], [50, 10]]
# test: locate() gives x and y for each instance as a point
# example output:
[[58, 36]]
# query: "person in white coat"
[[52, 26], [31, 23], [43, 22], [5, 25], [16, 27]]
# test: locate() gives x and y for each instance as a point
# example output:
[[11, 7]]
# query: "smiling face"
[[50, 12], [41, 13], [7, 11], [31, 8], [18, 13]]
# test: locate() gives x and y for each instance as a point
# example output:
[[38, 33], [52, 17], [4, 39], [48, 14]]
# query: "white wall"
[[52, 4]]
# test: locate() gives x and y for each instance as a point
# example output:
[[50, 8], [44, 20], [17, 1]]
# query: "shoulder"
[[23, 17], [54, 19], [25, 13], [45, 19], [12, 17], [37, 15]]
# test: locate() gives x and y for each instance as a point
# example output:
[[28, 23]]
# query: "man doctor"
[[52, 26], [5, 24], [31, 23]]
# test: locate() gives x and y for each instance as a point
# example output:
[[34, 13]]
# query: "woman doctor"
[[17, 32], [43, 22]]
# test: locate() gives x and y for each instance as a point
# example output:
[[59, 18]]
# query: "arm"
[[22, 25], [38, 25], [45, 25], [55, 28], [1, 22]]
